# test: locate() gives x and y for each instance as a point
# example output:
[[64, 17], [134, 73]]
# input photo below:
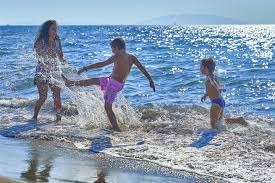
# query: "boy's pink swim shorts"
[[110, 87]]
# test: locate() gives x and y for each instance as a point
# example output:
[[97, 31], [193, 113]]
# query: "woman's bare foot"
[[242, 121], [58, 118], [117, 129], [34, 119]]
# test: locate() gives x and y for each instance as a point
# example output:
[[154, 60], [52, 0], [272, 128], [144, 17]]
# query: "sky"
[[130, 11]]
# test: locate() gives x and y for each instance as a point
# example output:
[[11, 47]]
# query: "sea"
[[168, 120]]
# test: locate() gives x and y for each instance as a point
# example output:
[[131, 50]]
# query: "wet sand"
[[42, 161], [6, 180]]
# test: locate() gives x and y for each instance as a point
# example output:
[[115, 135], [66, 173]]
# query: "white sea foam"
[[167, 133], [91, 113]]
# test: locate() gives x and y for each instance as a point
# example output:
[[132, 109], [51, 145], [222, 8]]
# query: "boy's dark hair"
[[118, 42], [209, 63]]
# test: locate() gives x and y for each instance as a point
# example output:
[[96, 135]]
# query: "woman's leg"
[[86, 82], [57, 101], [43, 91], [215, 114]]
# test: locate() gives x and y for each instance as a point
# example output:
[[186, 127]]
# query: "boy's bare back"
[[123, 63]]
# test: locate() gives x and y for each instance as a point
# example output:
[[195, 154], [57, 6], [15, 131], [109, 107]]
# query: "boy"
[[113, 84], [213, 91]]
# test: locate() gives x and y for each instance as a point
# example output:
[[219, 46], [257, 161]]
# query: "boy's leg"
[[43, 91], [215, 113], [111, 116], [86, 82], [57, 101]]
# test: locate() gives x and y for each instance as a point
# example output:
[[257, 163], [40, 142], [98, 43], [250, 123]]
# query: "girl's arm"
[[203, 98], [219, 86]]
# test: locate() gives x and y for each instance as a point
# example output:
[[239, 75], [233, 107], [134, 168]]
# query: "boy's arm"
[[144, 71], [109, 61]]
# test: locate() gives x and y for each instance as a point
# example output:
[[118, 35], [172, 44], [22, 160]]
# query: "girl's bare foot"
[[242, 121], [239, 120]]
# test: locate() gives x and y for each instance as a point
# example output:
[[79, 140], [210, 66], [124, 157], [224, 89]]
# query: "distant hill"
[[188, 19]]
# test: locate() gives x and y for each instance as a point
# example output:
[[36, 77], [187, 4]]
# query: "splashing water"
[[90, 106]]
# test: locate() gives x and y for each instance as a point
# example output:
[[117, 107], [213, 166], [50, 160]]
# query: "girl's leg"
[[43, 91], [239, 120], [221, 115], [86, 82], [57, 101], [220, 125], [215, 114]]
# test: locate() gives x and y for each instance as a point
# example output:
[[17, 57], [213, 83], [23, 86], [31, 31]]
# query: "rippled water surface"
[[244, 55]]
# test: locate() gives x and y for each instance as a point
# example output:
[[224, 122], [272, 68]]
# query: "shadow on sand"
[[13, 131]]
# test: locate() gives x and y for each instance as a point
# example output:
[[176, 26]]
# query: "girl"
[[213, 91], [48, 51]]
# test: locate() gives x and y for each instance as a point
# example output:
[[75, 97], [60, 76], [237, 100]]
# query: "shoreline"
[[106, 161], [163, 170], [175, 172]]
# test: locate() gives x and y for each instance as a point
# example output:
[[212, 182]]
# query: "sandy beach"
[[6, 180], [43, 161]]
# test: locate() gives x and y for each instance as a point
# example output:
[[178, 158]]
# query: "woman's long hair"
[[43, 33]]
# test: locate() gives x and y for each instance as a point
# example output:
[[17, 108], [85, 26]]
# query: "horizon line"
[[137, 24]]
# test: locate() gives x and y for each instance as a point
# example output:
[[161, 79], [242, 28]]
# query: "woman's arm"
[[60, 53], [38, 47], [40, 52]]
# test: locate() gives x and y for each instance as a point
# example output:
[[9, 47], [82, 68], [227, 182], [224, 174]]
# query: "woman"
[[49, 54]]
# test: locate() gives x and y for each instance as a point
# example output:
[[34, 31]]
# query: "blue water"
[[244, 55]]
